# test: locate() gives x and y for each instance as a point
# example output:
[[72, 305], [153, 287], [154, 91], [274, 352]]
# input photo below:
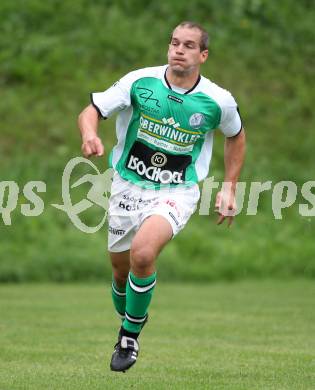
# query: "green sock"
[[139, 293], [119, 299]]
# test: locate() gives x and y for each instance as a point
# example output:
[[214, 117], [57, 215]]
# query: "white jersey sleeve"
[[230, 123], [115, 98]]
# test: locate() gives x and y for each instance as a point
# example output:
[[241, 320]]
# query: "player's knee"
[[120, 273], [120, 278], [142, 256]]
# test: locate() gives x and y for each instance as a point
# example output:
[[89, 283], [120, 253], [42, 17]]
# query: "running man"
[[165, 124]]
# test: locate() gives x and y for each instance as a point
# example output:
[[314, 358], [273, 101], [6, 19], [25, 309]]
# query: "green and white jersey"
[[165, 134]]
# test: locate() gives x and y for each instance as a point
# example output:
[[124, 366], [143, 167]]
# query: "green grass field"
[[244, 335]]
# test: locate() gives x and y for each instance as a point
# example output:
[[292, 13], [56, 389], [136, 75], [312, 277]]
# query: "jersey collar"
[[189, 90]]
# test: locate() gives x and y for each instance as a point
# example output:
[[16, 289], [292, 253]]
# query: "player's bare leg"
[[120, 265], [150, 239]]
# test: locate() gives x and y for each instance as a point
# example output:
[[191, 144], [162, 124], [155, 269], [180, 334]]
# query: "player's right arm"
[[88, 121], [103, 105]]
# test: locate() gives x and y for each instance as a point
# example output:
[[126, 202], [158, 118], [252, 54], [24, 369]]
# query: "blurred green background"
[[54, 53]]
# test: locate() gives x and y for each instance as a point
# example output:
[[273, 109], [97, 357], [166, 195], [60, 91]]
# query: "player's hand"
[[92, 147], [225, 206]]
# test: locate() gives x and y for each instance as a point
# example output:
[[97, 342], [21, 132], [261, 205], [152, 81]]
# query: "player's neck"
[[184, 80]]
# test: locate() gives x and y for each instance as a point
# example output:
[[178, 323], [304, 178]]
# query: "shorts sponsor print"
[[130, 205], [117, 231]]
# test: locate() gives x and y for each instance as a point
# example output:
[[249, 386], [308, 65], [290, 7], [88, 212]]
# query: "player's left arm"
[[234, 152], [234, 155]]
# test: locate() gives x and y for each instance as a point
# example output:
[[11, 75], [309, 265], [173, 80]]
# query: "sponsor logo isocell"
[[152, 173]]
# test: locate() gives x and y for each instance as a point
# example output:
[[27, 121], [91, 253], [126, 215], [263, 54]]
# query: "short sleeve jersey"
[[165, 137]]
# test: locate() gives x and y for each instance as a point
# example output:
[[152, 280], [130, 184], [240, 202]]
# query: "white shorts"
[[130, 205]]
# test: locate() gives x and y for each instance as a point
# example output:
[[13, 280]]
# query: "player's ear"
[[204, 55]]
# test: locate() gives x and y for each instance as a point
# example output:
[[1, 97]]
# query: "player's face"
[[184, 53]]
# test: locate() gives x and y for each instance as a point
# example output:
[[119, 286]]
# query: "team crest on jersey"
[[196, 120]]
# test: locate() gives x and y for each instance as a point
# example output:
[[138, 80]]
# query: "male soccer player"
[[165, 123]]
